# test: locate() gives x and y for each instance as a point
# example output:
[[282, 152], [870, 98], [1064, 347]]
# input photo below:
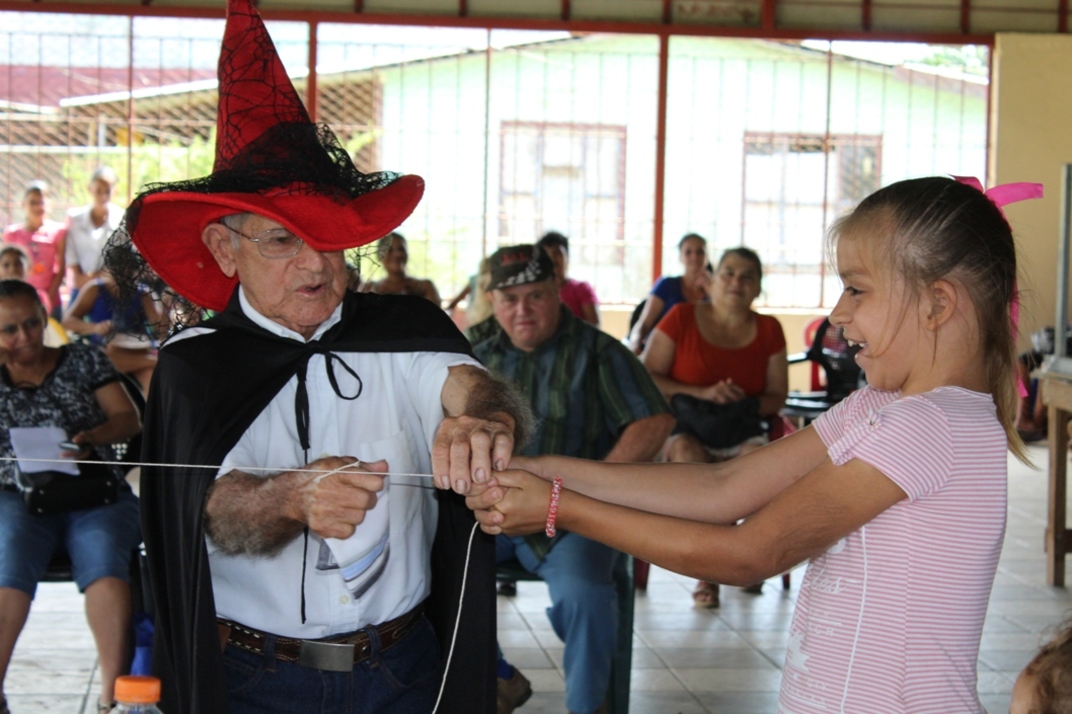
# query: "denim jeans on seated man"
[[592, 400], [584, 604], [401, 680]]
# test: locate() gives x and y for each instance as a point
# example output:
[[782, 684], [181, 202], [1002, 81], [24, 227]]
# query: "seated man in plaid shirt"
[[592, 400]]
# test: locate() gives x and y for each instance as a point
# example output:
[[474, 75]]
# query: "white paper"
[[40, 442]]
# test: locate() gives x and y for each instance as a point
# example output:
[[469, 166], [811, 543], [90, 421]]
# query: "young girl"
[[44, 241], [14, 260], [896, 495], [1045, 685]]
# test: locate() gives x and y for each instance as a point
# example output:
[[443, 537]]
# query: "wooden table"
[[1057, 396]]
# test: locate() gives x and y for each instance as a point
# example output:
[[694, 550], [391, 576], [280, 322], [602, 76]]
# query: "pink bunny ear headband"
[[1006, 193], [1000, 196]]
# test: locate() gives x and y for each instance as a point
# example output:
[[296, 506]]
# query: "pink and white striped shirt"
[[889, 619]]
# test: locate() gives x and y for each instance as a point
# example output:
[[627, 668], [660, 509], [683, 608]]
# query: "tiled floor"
[[684, 660]]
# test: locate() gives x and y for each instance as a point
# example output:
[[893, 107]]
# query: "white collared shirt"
[[85, 241], [395, 418]]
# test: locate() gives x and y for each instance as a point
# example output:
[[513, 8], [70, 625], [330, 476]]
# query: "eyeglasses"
[[274, 242]]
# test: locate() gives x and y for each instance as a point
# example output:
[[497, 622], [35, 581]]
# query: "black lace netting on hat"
[[292, 158]]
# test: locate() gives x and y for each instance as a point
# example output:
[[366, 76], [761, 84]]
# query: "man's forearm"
[[251, 515], [642, 439], [486, 397]]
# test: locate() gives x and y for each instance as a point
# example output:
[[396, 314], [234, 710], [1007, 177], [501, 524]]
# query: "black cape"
[[205, 393]]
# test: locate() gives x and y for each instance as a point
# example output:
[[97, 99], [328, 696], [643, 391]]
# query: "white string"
[[457, 620], [321, 477], [324, 473]]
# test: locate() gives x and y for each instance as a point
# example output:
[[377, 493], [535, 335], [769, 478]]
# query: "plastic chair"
[[55, 334], [817, 380], [831, 352], [622, 662]]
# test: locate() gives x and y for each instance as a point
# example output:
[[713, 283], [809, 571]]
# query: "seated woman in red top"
[[722, 351]]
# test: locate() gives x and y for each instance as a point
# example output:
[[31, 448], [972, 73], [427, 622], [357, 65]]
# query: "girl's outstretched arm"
[[711, 493], [802, 521]]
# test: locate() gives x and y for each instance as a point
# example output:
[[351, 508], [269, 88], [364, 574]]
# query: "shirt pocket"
[[365, 555]]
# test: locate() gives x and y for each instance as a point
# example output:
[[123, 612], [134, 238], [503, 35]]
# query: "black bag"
[[48, 492], [717, 426]]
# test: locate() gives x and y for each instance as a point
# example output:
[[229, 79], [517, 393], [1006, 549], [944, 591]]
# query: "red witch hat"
[[270, 160]]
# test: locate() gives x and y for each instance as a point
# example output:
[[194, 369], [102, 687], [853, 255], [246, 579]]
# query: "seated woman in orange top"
[[723, 351]]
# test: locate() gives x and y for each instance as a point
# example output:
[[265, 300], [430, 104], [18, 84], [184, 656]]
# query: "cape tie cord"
[[301, 419], [322, 474], [301, 395]]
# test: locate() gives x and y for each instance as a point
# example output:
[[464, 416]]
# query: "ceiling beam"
[[667, 27]]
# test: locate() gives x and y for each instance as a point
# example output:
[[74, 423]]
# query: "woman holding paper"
[[75, 388]]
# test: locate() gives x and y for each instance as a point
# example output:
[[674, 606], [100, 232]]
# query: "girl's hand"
[[536, 465], [515, 503], [102, 328]]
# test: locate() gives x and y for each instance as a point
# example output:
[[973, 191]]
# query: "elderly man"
[[286, 520], [594, 400]]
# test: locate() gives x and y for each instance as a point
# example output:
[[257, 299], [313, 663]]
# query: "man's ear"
[[217, 239], [939, 303]]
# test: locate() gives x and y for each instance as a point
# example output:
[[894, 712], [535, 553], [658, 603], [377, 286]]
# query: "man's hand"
[[467, 449], [252, 515], [484, 418], [334, 505]]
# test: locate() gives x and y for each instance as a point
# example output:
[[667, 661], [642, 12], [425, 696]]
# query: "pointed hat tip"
[[255, 92], [244, 7]]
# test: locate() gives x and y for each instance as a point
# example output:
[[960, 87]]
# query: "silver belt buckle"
[[326, 656]]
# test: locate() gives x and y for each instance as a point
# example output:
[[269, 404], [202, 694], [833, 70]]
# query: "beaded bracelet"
[[552, 508]]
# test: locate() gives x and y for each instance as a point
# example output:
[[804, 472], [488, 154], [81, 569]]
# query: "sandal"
[[754, 588], [3, 706], [705, 594], [103, 708]]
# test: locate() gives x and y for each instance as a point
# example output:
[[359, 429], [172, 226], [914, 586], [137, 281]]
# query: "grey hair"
[[234, 221]]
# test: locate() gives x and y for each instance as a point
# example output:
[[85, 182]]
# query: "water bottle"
[[136, 694]]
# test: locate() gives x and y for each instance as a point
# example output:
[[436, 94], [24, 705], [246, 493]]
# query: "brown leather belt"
[[338, 653]]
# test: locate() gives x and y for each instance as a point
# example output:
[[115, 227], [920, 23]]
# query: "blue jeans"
[[403, 680], [98, 540], [583, 612]]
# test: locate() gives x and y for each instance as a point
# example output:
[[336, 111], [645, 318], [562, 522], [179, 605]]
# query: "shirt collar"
[[276, 329]]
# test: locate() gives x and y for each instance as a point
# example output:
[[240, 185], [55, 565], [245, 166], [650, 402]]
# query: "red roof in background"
[[46, 86]]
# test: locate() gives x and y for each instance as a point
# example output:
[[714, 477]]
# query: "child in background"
[[896, 496], [14, 261], [44, 241], [1045, 685]]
